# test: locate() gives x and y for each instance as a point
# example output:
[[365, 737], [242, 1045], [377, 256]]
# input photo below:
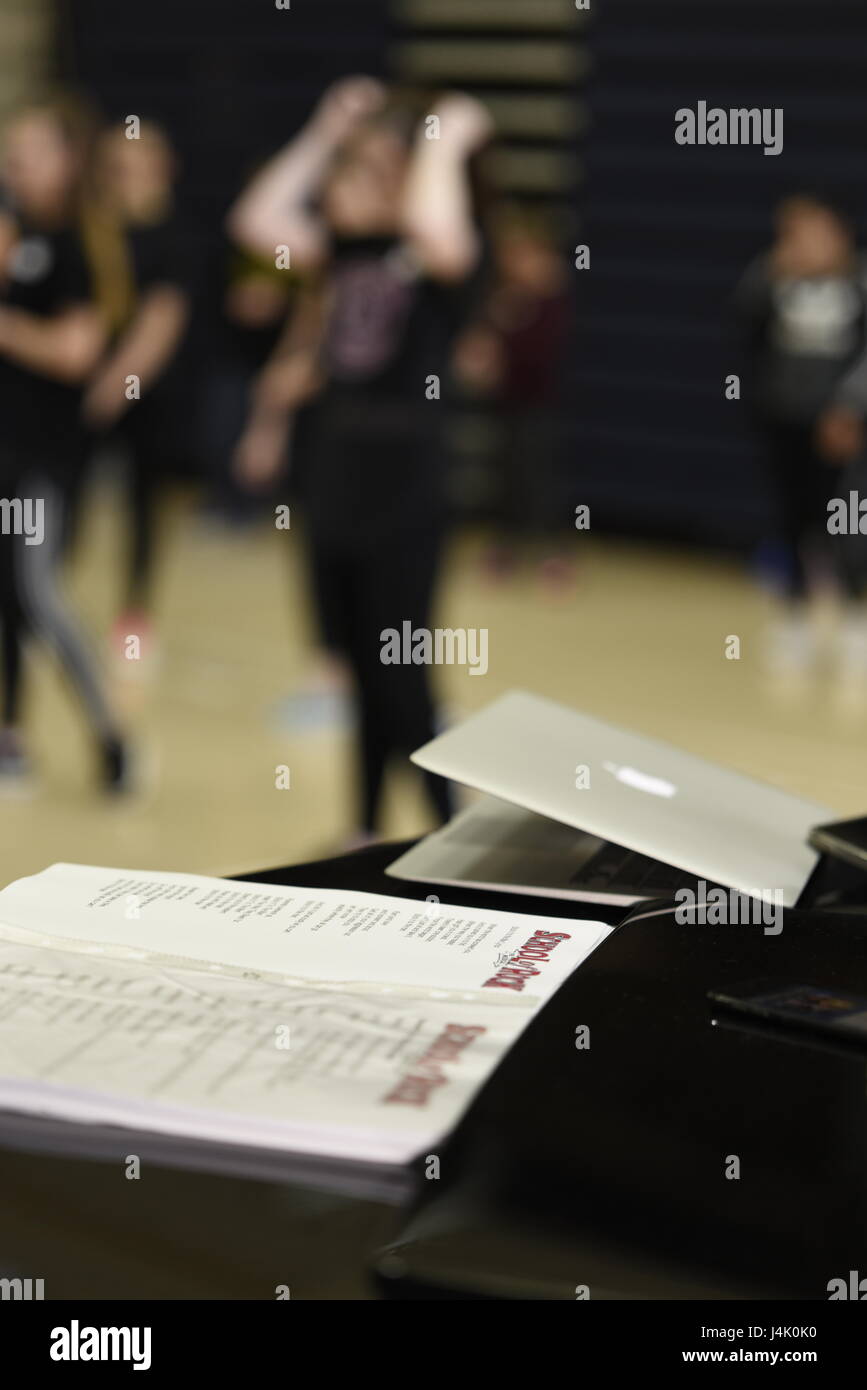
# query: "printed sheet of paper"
[[329, 1023], [304, 934]]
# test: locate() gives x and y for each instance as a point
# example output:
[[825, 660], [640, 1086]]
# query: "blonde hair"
[[105, 246], [109, 260]]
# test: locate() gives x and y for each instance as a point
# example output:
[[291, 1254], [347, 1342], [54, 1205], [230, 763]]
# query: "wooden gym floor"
[[639, 640]]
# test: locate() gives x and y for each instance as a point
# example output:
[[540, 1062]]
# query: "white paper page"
[[351, 940], [373, 1078]]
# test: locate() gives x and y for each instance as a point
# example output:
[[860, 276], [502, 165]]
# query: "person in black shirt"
[[51, 335], [247, 321], [134, 390], [802, 309], [512, 355], [376, 205]]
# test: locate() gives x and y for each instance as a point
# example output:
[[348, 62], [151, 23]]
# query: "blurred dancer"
[[803, 312], [249, 321], [133, 392], [379, 207], [51, 334], [513, 355]]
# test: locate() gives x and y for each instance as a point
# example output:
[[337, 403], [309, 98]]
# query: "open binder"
[[319, 1025]]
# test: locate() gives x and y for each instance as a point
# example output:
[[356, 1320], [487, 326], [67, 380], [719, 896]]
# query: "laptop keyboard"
[[614, 867], [532, 834], [605, 867]]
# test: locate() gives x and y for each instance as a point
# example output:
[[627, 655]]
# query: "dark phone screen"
[[843, 839], [808, 1005]]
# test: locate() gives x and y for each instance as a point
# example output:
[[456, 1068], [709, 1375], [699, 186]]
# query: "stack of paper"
[[308, 1020]]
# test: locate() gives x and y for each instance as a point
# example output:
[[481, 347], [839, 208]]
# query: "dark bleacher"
[[657, 447], [232, 79]]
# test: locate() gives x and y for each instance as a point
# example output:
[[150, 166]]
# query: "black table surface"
[[611, 1166]]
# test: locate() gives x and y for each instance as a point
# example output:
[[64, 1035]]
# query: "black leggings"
[[31, 602], [531, 502], [804, 483], [359, 593], [141, 438], [12, 627], [144, 432]]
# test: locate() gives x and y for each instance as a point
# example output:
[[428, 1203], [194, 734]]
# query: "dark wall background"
[[231, 79], [657, 446], [654, 447]]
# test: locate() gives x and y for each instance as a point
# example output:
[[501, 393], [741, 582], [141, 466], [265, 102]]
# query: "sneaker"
[[360, 839], [557, 576], [853, 647], [134, 645], [500, 562], [850, 686], [789, 647]]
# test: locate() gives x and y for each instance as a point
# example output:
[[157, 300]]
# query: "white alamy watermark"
[[852, 1287], [22, 1290], [720, 907], [847, 516], [439, 646], [77, 1343], [23, 516], [741, 125]]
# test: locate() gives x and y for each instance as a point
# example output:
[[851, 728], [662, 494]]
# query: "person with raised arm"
[[374, 200]]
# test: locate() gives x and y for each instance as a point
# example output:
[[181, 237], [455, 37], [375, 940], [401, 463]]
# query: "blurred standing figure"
[[133, 391], [51, 335], [514, 355], [803, 313], [247, 323], [378, 207]]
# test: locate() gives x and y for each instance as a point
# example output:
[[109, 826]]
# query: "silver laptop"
[[576, 808]]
